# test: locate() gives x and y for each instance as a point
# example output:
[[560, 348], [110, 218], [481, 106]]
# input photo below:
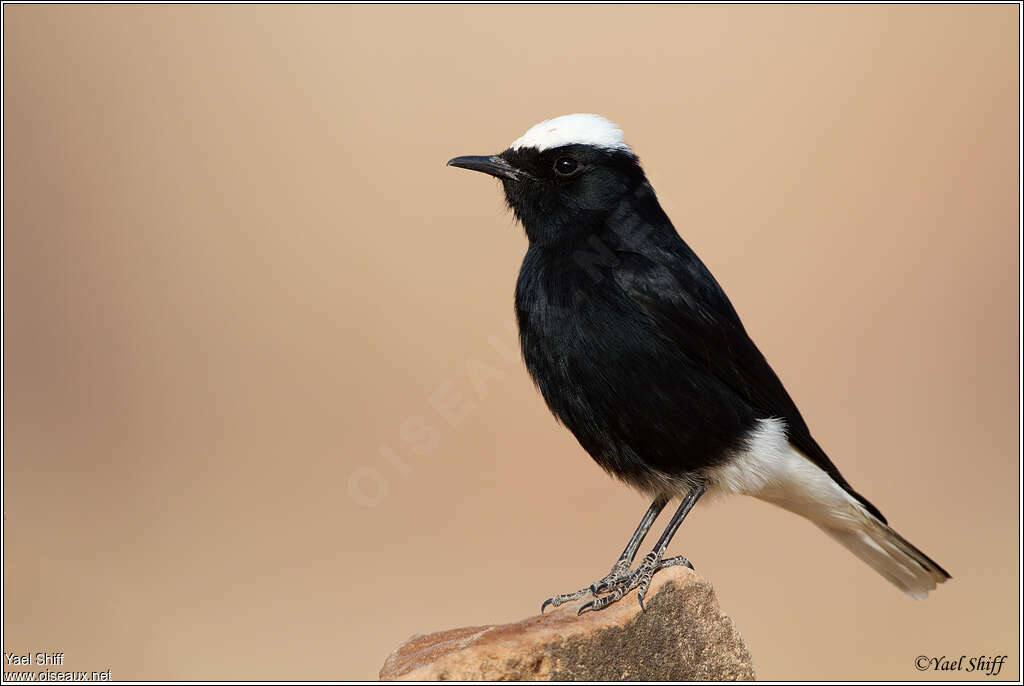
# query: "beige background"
[[245, 300]]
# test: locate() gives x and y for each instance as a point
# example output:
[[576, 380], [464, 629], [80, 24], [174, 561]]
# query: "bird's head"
[[564, 177]]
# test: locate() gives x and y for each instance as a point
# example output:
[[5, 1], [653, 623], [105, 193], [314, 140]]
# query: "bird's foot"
[[639, 579], [620, 572], [620, 580]]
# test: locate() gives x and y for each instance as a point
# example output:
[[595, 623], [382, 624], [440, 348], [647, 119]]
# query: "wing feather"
[[687, 306]]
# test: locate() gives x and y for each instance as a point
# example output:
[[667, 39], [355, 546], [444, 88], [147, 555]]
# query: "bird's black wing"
[[687, 306]]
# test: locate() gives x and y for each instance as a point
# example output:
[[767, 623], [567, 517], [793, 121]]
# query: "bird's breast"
[[634, 402], [571, 323]]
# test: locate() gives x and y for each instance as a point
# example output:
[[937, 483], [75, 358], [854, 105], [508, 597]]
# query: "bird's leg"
[[620, 570], [655, 560]]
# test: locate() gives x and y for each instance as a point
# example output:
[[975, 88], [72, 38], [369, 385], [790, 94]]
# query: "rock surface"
[[683, 635]]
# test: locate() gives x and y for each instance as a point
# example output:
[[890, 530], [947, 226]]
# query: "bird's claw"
[[619, 573], [620, 581], [555, 601]]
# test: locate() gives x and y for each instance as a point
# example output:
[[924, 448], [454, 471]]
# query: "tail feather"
[[772, 469], [891, 555]]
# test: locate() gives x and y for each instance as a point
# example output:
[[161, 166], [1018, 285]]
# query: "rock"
[[682, 636]]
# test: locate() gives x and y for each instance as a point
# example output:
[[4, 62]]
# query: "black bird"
[[638, 351]]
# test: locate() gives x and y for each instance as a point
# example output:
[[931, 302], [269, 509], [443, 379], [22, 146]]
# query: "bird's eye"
[[565, 166]]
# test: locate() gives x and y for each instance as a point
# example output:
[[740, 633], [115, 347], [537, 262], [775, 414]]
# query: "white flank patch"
[[771, 469], [572, 129]]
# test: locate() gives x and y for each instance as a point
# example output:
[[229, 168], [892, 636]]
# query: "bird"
[[637, 350]]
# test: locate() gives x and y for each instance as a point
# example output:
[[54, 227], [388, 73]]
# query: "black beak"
[[489, 164]]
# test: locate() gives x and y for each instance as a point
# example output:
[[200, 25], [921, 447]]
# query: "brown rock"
[[682, 636]]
